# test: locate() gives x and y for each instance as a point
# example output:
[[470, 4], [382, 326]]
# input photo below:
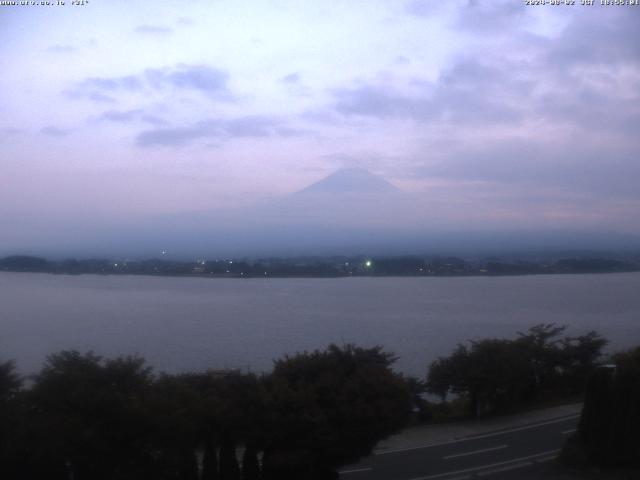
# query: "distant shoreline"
[[322, 267], [318, 277]]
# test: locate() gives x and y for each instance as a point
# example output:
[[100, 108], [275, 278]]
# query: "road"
[[489, 454]]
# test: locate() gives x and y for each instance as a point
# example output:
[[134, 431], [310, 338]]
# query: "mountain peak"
[[350, 180]]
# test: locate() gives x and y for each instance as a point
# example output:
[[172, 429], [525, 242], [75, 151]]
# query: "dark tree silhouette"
[[229, 468], [85, 417], [610, 421], [491, 373], [11, 415], [500, 374], [174, 407], [10, 382], [250, 464], [331, 408], [209, 461], [89, 418], [579, 356]]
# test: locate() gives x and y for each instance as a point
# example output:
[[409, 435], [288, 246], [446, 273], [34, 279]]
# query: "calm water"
[[193, 323]]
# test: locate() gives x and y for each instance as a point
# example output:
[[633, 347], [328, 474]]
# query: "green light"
[[367, 263]]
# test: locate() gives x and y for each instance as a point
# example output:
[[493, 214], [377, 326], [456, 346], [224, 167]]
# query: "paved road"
[[485, 455]]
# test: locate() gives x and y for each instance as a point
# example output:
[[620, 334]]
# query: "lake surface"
[[195, 323]]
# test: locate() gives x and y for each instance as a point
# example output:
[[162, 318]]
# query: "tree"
[[580, 355], [10, 382], [250, 464], [11, 416], [492, 374], [89, 419], [499, 374], [329, 408], [24, 263], [175, 409], [229, 412], [610, 420]]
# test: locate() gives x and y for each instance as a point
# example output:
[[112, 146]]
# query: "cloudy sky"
[[507, 115]]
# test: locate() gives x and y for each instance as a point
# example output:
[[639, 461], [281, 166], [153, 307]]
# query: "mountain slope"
[[351, 181]]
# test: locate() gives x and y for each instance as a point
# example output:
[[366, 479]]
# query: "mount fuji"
[[350, 181]]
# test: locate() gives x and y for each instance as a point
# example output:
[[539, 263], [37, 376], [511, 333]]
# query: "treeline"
[[320, 267], [542, 365], [87, 417], [609, 428], [501, 375]]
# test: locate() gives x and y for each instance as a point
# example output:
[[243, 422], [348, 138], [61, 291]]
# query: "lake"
[[180, 323]]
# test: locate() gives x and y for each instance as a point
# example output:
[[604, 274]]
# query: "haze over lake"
[[193, 323]]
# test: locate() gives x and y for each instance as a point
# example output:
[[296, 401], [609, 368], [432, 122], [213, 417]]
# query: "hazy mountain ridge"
[[350, 211], [349, 181]]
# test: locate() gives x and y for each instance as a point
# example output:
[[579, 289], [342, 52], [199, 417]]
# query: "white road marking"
[[355, 470], [520, 460], [546, 459], [567, 432], [487, 435], [474, 452], [504, 469]]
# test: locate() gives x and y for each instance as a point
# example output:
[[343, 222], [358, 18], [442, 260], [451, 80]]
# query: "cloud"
[[128, 82], [292, 78], [179, 136], [251, 126], [369, 160], [53, 131], [422, 8], [587, 71], [185, 21], [200, 78], [131, 116], [155, 30], [610, 38], [153, 120], [196, 77], [61, 49], [598, 171], [469, 92], [292, 132], [494, 17], [11, 131], [382, 102], [555, 110], [121, 116], [100, 98]]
